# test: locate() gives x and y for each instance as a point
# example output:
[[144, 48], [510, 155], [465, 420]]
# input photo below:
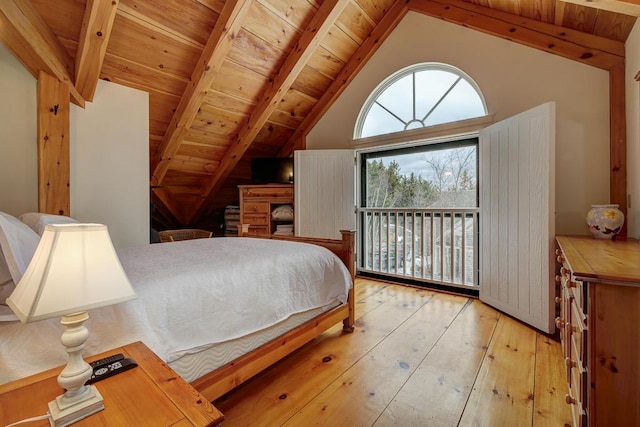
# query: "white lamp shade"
[[74, 268]]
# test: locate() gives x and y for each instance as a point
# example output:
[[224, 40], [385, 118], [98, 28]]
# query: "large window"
[[420, 96], [436, 175], [418, 213]]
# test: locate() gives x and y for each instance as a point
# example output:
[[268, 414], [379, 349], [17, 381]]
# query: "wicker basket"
[[184, 234]]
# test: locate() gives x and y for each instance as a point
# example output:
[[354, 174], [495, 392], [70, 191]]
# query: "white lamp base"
[[66, 411]]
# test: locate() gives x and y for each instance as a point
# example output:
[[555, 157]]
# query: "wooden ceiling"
[[236, 79]]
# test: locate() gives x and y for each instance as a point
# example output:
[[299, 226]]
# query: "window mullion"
[[391, 112], [441, 99]]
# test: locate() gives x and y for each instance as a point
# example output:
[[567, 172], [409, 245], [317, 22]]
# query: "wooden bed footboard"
[[218, 382]]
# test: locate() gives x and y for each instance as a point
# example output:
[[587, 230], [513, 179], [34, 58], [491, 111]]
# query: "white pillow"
[[18, 243], [17, 246], [37, 221]]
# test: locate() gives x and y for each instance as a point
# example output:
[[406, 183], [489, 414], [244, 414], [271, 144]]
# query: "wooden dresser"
[[599, 325], [257, 202]]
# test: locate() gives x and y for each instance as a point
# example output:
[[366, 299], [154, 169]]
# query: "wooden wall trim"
[[53, 146], [618, 142]]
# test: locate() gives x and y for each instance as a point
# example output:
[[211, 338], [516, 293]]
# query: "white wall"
[[513, 78], [632, 54], [109, 151], [18, 135], [110, 162]]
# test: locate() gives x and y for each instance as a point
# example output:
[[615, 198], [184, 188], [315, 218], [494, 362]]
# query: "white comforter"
[[191, 295]]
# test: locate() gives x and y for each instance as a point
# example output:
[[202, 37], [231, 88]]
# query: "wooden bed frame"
[[218, 382]]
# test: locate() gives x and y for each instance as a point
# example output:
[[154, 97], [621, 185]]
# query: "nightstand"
[[151, 394]]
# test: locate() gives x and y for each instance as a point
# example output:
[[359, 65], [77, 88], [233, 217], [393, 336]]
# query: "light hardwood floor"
[[416, 358]]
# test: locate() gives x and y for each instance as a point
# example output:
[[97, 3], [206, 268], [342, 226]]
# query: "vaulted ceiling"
[[229, 80]]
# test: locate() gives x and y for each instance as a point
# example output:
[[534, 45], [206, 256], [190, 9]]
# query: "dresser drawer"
[[578, 396], [269, 192], [258, 230], [580, 293], [250, 208], [256, 219], [579, 336]]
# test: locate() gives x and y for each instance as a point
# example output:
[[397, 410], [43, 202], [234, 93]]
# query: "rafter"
[[310, 39], [625, 7], [227, 26], [25, 33], [358, 60], [94, 38], [582, 47]]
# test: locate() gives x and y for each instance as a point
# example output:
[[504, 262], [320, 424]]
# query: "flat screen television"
[[272, 170]]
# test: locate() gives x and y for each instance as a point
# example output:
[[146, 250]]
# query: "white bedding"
[[191, 295]]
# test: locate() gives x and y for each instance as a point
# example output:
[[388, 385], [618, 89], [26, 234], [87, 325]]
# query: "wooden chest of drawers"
[[599, 325], [258, 201]]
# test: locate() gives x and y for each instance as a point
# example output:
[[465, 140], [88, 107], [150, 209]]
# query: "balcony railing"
[[432, 245]]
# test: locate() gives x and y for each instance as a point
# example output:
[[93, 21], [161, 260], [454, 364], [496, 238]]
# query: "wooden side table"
[[151, 394]]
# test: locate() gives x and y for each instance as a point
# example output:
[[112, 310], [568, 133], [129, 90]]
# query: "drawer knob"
[[559, 323], [558, 252], [571, 284], [570, 363], [558, 278], [558, 300], [564, 270], [570, 400], [560, 259]]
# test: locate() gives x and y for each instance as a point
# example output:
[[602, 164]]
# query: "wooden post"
[[53, 145], [618, 142]]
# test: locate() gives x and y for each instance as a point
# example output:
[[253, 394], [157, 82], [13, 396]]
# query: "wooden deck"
[[416, 358]]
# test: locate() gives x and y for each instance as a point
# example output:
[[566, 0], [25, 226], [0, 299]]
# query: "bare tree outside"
[[445, 176]]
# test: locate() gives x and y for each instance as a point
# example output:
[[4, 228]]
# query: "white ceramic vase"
[[605, 221]]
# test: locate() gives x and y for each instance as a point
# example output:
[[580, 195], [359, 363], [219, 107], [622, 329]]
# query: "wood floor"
[[416, 358]]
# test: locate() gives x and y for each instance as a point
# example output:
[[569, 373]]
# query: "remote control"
[[111, 369], [105, 361]]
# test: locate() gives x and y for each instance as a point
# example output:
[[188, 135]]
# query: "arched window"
[[419, 96]]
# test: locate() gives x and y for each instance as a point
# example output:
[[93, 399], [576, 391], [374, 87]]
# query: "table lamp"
[[74, 269]]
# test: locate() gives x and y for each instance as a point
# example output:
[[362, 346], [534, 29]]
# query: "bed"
[[184, 312]]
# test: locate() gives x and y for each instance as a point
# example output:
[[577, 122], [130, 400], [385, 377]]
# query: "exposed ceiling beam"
[[227, 26], [625, 7], [94, 38], [310, 39], [586, 48], [358, 60], [25, 33]]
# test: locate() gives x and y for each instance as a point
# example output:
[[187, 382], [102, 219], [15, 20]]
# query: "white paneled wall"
[[324, 192]]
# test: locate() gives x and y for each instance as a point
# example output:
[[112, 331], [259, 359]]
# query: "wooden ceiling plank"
[[573, 45], [309, 41], [229, 23], [346, 75], [559, 14], [131, 13], [34, 32], [94, 38], [139, 76], [625, 7]]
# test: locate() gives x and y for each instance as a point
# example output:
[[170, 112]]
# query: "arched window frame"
[[393, 78]]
